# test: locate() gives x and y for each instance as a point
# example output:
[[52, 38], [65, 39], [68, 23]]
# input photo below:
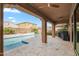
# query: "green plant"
[[49, 33], [8, 31], [65, 28], [77, 29], [35, 31]]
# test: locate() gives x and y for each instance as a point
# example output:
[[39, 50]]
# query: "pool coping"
[[16, 35]]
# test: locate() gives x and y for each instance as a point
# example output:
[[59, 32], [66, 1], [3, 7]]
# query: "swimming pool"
[[13, 42]]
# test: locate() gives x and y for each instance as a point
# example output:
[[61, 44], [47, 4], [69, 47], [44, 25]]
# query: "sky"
[[16, 16]]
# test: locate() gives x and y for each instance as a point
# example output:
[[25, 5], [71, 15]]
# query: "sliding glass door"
[[76, 29]]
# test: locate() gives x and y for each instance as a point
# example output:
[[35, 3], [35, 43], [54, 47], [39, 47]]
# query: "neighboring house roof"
[[19, 25], [10, 24], [26, 23]]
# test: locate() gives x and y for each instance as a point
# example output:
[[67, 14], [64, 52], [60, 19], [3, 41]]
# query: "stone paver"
[[54, 47]]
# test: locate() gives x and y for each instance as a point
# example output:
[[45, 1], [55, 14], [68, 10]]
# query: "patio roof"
[[54, 12], [58, 13]]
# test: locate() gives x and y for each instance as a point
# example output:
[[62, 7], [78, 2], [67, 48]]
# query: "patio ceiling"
[[55, 12], [58, 13]]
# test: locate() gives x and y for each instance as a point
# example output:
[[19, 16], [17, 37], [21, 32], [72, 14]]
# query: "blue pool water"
[[13, 42]]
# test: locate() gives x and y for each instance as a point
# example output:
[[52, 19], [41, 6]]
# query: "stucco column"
[[53, 30], [70, 29], [44, 31], [1, 29]]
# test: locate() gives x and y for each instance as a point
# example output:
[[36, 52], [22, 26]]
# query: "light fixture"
[[50, 6], [60, 18]]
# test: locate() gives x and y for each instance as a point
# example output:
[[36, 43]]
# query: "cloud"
[[13, 21], [10, 18], [11, 10]]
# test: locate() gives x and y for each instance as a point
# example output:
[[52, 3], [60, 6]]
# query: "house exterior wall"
[[25, 28], [21, 27]]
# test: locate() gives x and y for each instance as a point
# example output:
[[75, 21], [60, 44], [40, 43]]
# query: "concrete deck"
[[54, 47]]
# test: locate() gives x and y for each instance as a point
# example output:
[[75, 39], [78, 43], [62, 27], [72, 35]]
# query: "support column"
[[44, 31], [1, 29], [53, 30], [70, 29]]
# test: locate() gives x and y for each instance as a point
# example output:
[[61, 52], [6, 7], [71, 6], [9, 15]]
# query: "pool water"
[[9, 47], [13, 42]]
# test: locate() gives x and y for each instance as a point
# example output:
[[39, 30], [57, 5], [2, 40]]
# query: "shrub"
[[35, 31], [8, 31], [65, 28], [49, 33]]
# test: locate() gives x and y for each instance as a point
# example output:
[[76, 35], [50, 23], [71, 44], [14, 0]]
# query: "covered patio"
[[54, 13], [47, 12]]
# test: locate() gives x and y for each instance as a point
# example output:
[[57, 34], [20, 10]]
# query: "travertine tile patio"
[[54, 47]]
